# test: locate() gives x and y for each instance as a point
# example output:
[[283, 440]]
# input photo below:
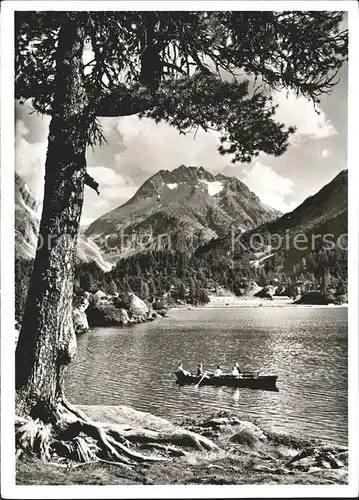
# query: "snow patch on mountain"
[[213, 187], [181, 203]]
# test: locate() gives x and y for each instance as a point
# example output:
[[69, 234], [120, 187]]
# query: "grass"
[[34, 471], [228, 470]]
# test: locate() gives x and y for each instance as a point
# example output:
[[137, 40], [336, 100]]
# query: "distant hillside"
[[182, 277], [27, 221], [188, 206], [320, 268], [324, 213], [329, 203]]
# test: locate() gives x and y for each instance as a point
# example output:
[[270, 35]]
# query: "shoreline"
[[258, 304], [247, 454]]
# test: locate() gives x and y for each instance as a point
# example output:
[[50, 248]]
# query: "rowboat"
[[251, 380]]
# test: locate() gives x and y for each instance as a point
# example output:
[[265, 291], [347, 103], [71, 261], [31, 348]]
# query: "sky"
[[138, 148]]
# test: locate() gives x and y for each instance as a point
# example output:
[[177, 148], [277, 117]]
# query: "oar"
[[205, 373]]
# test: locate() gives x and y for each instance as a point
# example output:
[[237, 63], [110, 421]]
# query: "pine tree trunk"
[[47, 342]]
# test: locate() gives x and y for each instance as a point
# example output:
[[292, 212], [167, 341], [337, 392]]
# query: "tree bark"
[[47, 342]]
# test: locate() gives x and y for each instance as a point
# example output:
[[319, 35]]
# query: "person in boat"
[[201, 373], [236, 371], [218, 371], [181, 369]]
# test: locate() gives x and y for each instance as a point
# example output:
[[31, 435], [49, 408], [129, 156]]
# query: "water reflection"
[[307, 348]]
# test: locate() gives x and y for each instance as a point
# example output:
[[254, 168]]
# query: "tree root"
[[33, 436], [167, 449], [69, 435]]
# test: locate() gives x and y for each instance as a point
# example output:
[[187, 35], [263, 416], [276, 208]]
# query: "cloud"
[[324, 153], [86, 221], [120, 194], [301, 113], [115, 189], [272, 188], [30, 158], [138, 149], [112, 184], [104, 175], [108, 125], [149, 147]]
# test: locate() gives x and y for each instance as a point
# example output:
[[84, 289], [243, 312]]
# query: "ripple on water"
[[306, 347]]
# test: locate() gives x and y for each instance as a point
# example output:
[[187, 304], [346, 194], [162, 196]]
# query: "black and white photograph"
[[179, 249]]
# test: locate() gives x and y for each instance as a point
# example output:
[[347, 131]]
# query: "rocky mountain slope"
[[329, 203], [183, 208], [322, 219], [27, 220]]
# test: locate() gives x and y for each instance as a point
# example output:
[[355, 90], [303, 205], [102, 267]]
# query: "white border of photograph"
[[8, 487]]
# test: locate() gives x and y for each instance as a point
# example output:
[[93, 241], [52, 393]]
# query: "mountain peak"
[[186, 201], [184, 173]]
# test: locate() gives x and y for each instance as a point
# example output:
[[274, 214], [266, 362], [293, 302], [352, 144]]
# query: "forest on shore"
[[179, 277]]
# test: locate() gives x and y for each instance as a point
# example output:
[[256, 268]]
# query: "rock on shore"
[[107, 315], [79, 316], [101, 309], [117, 310], [138, 308]]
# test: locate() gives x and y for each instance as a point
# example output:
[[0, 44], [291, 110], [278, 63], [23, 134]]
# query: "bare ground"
[[245, 455]]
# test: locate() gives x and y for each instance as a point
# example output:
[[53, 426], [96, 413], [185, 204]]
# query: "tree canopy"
[[213, 70]]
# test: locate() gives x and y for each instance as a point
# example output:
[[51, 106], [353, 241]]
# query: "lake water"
[[305, 347]]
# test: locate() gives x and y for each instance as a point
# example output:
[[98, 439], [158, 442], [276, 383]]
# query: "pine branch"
[[122, 101]]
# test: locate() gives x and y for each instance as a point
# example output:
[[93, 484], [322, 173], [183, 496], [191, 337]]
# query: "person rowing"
[[236, 371], [201, 373]]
